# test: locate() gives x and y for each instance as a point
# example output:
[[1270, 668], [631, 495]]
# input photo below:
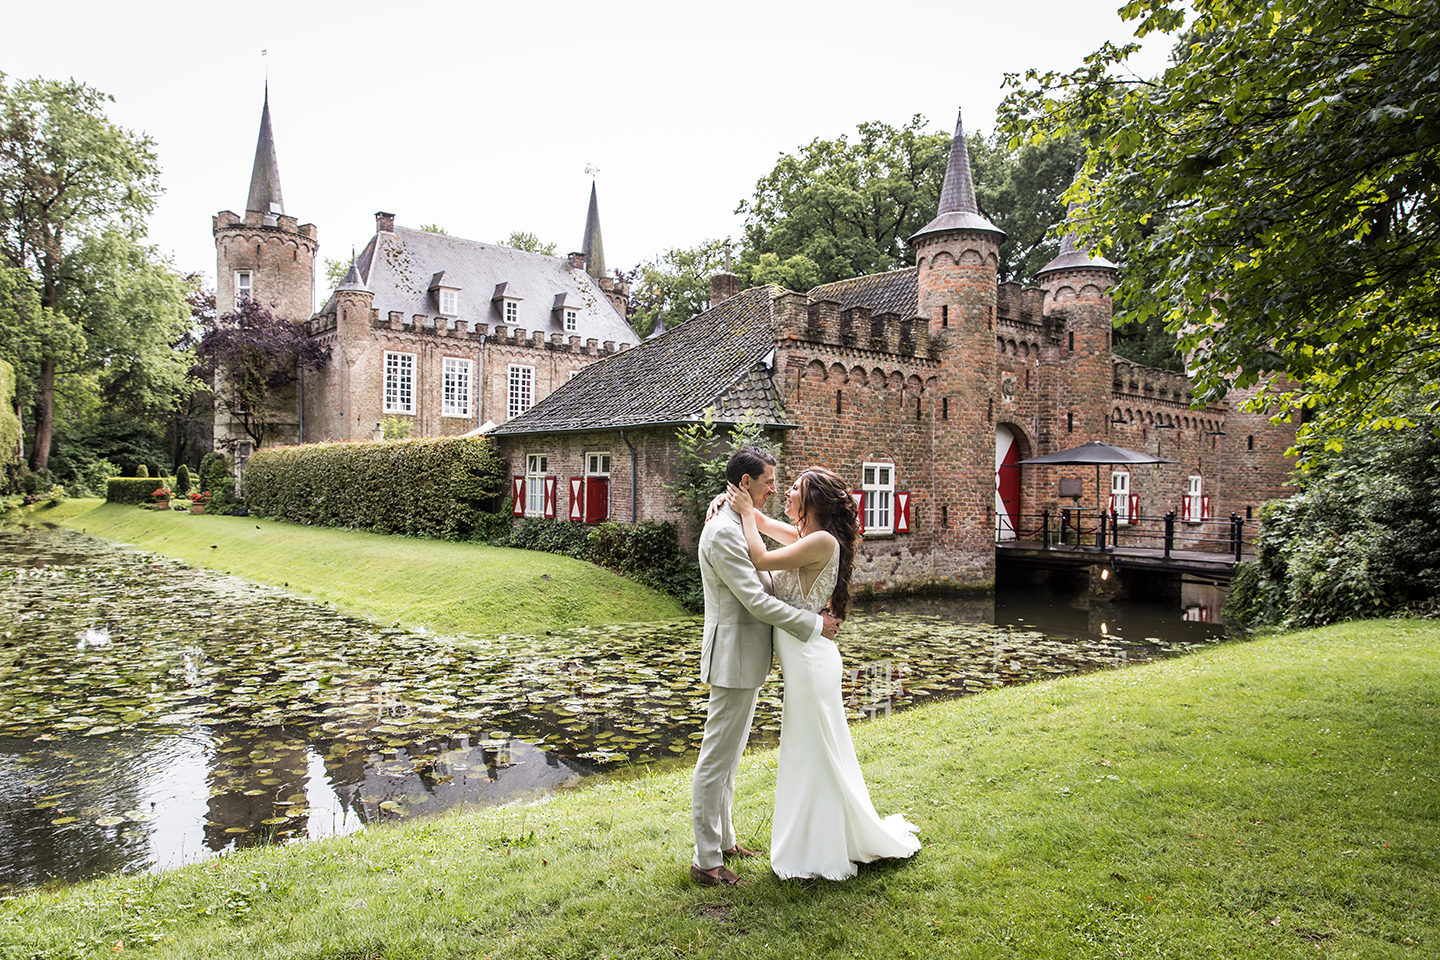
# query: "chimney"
[[384, 222], [577, 261], [723, 286]]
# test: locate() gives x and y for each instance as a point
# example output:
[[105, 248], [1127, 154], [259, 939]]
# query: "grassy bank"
[[1261, 800], [448, 587]]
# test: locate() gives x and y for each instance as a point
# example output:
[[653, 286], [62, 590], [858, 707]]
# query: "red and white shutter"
[[1205, 507], [859, 498], [1134, 507], [550, 497], [517, 486], [577, 510], [902, 511]]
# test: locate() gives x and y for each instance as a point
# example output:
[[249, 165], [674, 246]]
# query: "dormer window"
[[446, 294], [567, 311], [507, 303]]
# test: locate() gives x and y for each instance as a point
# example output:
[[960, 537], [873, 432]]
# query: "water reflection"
[[152, 714]]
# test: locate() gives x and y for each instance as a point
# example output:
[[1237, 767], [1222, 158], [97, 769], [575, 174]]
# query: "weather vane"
[[591, 169]]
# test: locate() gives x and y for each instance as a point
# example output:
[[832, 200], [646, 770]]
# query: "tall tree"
[[1275, 193], [1021, 190], [674, 286], [523, 240], [252, 356], [66, 173], [848, 207]]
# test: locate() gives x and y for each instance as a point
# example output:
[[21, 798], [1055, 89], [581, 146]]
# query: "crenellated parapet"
[[824, 323], [1137, 383]]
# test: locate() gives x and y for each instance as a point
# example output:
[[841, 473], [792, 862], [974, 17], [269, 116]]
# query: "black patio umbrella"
[[1098, 453]]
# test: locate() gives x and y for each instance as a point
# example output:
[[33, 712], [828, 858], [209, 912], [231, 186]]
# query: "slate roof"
[[265, 196], [896, 291], [721, 360], [398, 268], [1071, 254], [958, 209], [592, 246]]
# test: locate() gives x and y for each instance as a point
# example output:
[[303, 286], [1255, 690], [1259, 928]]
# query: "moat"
[[153, 714]]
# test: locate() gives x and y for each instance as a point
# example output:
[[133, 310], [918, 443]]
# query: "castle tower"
[[353, 303], [1078, 312], [265, 255], [957, 265]]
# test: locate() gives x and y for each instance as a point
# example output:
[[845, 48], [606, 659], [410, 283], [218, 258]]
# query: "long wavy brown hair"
[[825, 502]]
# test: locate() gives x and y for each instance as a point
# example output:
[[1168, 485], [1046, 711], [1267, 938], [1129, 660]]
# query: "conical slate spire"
[[958, 209], [592, 246], [352, 279], [265, 196], [1071, 254]]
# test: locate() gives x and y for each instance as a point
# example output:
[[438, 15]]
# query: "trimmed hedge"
[[434, 487], [647, 552], [132, 490], [9, 427]]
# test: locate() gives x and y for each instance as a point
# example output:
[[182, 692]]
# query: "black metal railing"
[[1233, 537]]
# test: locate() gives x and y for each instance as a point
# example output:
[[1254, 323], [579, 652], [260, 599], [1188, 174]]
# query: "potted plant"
[[198, 501], [162, 498]]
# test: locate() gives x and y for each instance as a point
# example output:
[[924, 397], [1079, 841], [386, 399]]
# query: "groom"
[[735, 659]]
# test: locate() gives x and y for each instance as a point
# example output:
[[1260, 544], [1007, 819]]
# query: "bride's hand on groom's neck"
[[738, 498]]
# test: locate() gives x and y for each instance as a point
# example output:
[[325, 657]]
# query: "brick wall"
[[348, 399], [280, 259], [654, 455]]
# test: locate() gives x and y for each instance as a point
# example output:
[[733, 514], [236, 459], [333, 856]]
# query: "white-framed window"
[[536, 467], [399, 382], [1193, 506], [449, 302], [522, 390], [512, 312], [877, 481], [455, 401], [1120, 495], [597, 464], [244, 287], [572, 318]]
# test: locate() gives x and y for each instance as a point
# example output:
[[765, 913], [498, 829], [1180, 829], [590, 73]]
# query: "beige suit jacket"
[[740, 609]]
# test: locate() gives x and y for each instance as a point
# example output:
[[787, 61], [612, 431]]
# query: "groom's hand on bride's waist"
[[831, 625]]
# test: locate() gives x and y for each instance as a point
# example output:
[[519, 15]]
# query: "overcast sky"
[[482, 117]]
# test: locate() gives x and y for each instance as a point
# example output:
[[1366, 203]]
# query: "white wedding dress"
[[824, 820]]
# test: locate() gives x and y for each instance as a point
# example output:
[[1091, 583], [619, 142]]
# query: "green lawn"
[[1261, 800], [447, 587]]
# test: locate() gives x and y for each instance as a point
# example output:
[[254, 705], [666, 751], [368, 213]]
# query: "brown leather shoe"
[[722, 875], [738, 851]]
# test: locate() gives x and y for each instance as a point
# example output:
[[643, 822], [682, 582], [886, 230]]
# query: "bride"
[[824, 821]]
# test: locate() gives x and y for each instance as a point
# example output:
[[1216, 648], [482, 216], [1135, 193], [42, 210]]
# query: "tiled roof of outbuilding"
[[896, 291], [720, 360]]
